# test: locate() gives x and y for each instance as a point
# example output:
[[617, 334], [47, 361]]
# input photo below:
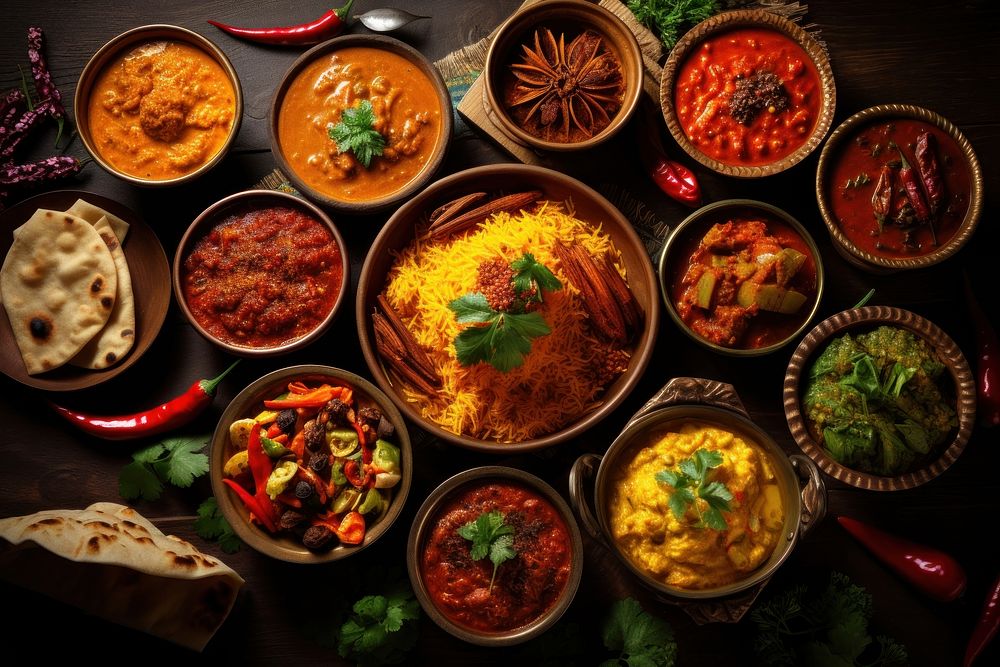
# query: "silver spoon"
[[386, 19]]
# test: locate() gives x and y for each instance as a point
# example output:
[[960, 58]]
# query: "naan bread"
[[58, 285], [116, 338], [90, 213], [110, 561]]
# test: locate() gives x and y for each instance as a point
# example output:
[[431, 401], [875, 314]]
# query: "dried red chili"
[[882, 196], [987, 361], [986, 629], [326, 26], [925, 155], [165, 417], [914, 193]]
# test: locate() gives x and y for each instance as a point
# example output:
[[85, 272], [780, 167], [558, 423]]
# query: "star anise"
[[578, 86]]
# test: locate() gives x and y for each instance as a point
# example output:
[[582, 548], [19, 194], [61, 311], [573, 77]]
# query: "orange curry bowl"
[[741, 277], [158, 105], [360, 123], [748, 93]]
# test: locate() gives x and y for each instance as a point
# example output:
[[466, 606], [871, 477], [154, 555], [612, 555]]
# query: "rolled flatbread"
[[110, 561], [114, 341], [58, 284]]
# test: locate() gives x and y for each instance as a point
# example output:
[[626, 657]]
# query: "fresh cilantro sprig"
[[671, 17], [490, 536], [692, 482], [356, 133], [640, 639], [176, 461], [378, 631], [212, 526], [506, 338]]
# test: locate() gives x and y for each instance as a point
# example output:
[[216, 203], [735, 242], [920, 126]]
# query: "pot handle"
[[693, 390], [584, 469], [813, 493]]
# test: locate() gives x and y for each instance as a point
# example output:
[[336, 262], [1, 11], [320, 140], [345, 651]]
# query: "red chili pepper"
[[916, 196], [165, 417], [673, 178], [882, 196], [352, 528], [326, 26], [987, 361], [925, 154], [934, 572], [986, 629], [253, 505], [260, 464], [354, 474]]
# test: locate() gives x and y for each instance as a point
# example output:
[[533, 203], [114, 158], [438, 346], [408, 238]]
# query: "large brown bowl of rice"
[[466, 334]]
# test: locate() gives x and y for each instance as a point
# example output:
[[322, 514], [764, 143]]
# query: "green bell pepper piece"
[[386, 456]]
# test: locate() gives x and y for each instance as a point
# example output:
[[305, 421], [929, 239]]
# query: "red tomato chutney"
[[748, 283], [263, 277], [748, 96], [525, 587], [855, 176]]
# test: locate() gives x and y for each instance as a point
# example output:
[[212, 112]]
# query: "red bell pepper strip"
[[313, 399], [355, 475], [986, 629], [298, 446], [273, 431], [987, 361], [330, 24], [352, 528], [933, 572], [259, 462], [253, 505]]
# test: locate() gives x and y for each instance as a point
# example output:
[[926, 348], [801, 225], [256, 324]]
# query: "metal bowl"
[[216, 213], [247, 404], [685, 399], [870, 317], [124, 42], [423, 523], [572, 14], [696, 225]]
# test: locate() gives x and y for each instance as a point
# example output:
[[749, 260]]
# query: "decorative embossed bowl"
[[686, 399], [861, 319], [573, 16], [687, 48]]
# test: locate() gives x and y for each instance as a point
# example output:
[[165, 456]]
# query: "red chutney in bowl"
[[748, 96], [525, 586], [263, 277], [855, 178]]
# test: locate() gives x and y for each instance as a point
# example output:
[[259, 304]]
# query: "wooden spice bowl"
[[573, 17], [859, 320]]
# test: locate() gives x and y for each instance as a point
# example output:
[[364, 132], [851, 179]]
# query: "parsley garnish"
[[671, 17], [211, 525], [640, 638], [355, 133], [177, 461], [377, 632], [506, 339], [490, 536], [692, 482]]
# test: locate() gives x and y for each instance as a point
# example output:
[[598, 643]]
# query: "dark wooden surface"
[[940, 55]]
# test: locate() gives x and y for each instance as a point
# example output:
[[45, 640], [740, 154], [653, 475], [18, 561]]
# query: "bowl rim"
[[870, 317], [434, 162], [273, 546], [827, 159], [583, 12], [112, 48], [698, 216], [642, 355], [759, 18], [197, 229], [417, 536], [724, 419]]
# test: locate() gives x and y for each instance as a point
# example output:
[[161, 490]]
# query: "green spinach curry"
[[877, 401]]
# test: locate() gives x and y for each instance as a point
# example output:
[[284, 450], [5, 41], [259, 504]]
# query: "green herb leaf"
[[177, 461], [137, 480], [186, 460], [490, 536], [692, 482], [472, 308], [670, 18], [355, 133], [504, 343], [528, 274], [211, 525], [641, 639], [378, 632]]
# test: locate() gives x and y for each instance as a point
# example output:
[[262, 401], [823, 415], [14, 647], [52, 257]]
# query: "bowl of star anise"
[[563, 75]]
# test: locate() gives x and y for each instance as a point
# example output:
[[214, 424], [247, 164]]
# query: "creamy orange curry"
[[407, 114], [161, 111]]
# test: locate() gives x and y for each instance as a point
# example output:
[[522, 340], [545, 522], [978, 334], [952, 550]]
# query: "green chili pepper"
[[280, 477], [273, 449], [337, 474], [386, 456], [372, 502], [342, 441], [347, 499]]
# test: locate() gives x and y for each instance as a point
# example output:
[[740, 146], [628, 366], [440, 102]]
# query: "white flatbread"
[[110, 561], [90, 213], [114, 341], [58, 284]]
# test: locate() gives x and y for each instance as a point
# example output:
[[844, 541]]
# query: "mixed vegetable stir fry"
[[315, 463]]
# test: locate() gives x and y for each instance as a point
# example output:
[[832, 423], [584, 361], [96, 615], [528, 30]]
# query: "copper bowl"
[[870, 317], [681, 400], [574, 15], [696, 225], [399, 231], [748, 18], [124, 42], [247, 404], [866, 260], [423, 524], [442, 141], [238, 202]]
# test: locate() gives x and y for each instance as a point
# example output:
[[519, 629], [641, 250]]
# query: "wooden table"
[[941, 55]]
